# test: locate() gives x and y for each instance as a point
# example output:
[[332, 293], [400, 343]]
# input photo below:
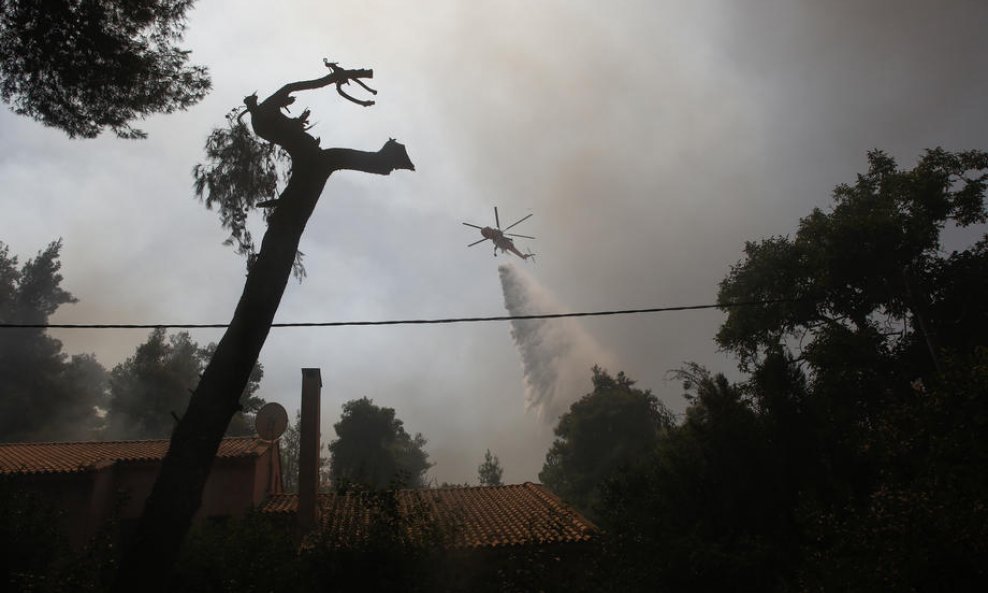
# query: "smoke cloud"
[[556, 354]]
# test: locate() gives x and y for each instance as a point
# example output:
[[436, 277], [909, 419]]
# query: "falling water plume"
[[556, 354]]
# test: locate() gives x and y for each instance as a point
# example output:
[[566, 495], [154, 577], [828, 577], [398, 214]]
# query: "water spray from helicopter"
[[556, 354]]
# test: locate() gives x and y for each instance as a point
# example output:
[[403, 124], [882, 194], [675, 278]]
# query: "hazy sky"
[[649, 138]]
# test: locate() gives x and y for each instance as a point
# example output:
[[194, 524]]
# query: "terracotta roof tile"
[[462, 517], [61, 458]]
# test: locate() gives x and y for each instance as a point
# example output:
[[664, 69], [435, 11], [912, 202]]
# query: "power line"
[[395, 321]]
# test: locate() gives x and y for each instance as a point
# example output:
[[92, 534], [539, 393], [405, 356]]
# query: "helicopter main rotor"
[[497, 232]]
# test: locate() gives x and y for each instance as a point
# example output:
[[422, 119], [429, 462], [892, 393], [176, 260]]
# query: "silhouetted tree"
[[44, 394], [922, 524], [232, 177], [489, 472], [151, 389], [605, 430], [865, 377], [866, 280], [374, 451], [84, 66], [707, 508]]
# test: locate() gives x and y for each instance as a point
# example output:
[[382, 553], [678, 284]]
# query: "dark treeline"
[[853, 455], [44, 394], [47, 395]]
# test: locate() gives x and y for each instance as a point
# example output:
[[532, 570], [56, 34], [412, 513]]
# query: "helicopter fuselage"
[[501, 242], [499, 237]]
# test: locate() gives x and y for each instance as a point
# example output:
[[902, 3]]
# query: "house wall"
[[102, 500], [229, 489], [85, 501]]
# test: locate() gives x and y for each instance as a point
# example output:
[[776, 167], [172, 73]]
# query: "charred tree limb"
[[391, 156], [337, 76], [272, 125]]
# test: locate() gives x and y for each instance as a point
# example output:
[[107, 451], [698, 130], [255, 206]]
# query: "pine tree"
[[489, 472]]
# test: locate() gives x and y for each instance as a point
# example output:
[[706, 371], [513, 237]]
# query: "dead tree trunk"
[[177, 493]]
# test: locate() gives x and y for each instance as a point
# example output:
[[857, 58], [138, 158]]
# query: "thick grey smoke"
[[556, 354]]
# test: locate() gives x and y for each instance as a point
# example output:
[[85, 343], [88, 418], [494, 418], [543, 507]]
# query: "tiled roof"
[[62, 458], [461, 517]]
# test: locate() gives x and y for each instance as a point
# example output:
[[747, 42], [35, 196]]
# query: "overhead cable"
[[396, 321]]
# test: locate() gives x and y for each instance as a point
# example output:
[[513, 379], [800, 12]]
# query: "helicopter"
[[500, 237]]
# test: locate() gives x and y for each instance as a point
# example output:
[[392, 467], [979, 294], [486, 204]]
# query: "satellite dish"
[[271, 421]]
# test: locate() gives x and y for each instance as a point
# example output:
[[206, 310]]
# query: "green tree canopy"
[[373, 450], [241, 172], [869, 278], [605, 430], [85, 66], [151, 389], [489, 472], [44, 394]]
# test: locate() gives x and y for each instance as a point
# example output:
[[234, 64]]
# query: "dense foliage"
[[710, 507], [489, 472], [48, 395], [604, 431], [151, 389], [44, 394], [374, 451], [868, 282], [241, 172], [852, 456], [85, 66]]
